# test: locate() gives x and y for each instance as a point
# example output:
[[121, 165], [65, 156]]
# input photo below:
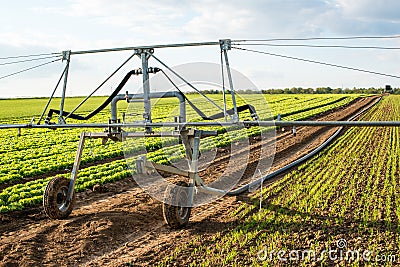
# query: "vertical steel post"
[[194, 165], [144, 55], [67, 57], [223, 86], [226, 45]]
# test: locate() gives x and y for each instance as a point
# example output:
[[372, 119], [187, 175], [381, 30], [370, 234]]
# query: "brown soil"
[[123, 226]]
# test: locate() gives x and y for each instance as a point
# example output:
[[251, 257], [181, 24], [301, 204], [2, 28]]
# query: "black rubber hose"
[[257, 183], [101, 107]]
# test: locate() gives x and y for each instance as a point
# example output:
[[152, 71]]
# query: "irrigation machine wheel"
[[55, 199], [176, 216]]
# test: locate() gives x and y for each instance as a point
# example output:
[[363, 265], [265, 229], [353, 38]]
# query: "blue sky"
[[40, 26]]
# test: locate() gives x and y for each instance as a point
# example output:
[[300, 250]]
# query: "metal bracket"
[[225, 44], [66, 55], [144, 166], [148, 51], [139, 71]]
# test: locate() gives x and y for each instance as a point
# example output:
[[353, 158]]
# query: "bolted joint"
[[139, 71], [225, 44], [146, 116], [148, 51], [66, 55], [61, 120]]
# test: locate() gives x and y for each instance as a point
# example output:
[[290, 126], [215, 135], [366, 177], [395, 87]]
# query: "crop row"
[[40, 152], [168, 153], [348, 192], [19, 196]]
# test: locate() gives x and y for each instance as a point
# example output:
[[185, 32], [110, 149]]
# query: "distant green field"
[[33, 107]]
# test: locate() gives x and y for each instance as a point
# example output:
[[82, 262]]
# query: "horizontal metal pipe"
[[210, 190], [202, 124], [120, 97], [326, 123], [142, 47]]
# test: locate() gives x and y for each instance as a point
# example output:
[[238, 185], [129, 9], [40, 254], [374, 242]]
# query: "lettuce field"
[[340, 208], [43, 152]]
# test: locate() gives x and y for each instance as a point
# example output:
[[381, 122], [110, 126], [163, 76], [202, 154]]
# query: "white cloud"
[[89, 24], [385, 10]]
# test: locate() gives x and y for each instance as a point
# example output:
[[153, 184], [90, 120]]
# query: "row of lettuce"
[[35, 161], [19, 196], [40, 152]]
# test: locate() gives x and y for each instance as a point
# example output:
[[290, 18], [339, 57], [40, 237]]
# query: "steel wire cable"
[[52, 95], [318, 62], [319, 38], [187, 83], [33, 55], [30, 68], [321, 46], [26, 60], [101, 85]]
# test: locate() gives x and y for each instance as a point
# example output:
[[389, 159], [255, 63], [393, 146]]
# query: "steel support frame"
[[144, 55], [119, 136], [129, 97], [225, 45], [67, 57], [191, 140]]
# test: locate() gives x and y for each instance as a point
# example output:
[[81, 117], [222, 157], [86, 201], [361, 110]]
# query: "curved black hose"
[[258, 182], [101, 107]]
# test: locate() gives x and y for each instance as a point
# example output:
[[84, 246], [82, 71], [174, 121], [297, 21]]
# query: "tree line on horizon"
[[318, 90]]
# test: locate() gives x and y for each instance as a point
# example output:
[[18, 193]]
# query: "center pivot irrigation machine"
[[58, 199]]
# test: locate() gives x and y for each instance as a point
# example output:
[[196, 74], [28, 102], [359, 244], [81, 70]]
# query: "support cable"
[[26, 60], [188, 83], [34, 55], [322, 46], [318, 62], [220, 115], [31, 68], [100, 108], [319, 38], [98, 87], [198, 111], [52, 95]]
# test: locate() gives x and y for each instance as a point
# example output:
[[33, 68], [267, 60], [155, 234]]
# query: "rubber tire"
[[175, 216], [54, 195]]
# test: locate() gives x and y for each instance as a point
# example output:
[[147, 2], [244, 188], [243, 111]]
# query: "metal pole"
[[144, 55], [143, 47], [226, 45], [223, 86], [194, 165], [67, 57]]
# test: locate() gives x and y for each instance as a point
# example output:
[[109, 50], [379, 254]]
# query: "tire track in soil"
[[124, 224]]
